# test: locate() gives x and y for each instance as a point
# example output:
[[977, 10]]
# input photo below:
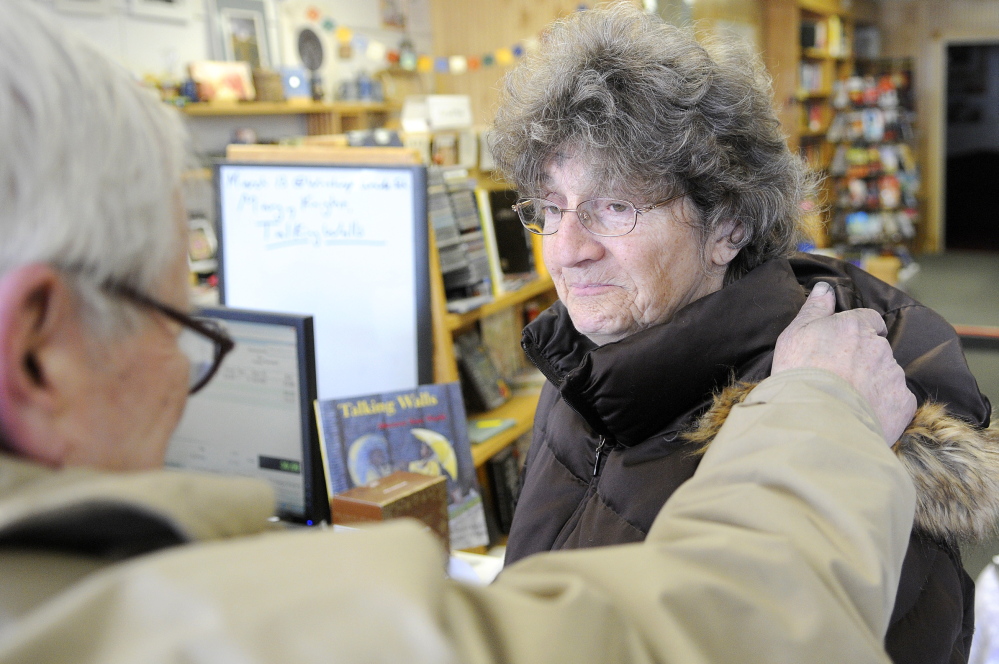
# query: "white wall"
[[163, 48]]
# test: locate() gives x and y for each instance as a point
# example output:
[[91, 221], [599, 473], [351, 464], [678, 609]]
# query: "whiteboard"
[[344, 244]]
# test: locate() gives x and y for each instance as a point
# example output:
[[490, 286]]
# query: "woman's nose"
[[572, 244]]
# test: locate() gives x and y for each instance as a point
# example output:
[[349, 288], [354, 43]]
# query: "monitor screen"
[[255, 418], [347, 245]]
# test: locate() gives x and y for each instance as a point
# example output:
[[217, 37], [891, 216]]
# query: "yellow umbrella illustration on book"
[[436, 453]]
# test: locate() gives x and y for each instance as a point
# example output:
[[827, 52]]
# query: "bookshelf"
[[519, 408], [528, 291], [873, 170], [321, 117], [809, 47], [446, 325]]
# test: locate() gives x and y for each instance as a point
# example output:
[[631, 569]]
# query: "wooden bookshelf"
[[221, 108], [526, 292], [321, 117], [520, 408], [804, 103], [445, 325]]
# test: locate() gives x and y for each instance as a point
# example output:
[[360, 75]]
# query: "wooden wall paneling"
[[477, 27], [742, 16], [781, 55]]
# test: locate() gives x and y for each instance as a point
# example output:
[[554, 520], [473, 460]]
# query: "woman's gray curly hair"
[[655, 114]]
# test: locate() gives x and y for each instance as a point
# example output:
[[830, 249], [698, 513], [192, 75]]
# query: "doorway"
[[971, 204]]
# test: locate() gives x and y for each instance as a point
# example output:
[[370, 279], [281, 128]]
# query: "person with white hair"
[[106, 558]]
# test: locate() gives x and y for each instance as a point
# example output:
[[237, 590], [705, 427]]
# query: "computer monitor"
[[255, 418]]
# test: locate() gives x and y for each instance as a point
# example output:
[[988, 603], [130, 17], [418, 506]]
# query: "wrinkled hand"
[[851, 344]]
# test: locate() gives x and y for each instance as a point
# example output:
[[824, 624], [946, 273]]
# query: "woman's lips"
[[589, 288]]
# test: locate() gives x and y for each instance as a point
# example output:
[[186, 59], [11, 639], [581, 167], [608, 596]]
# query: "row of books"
[[461, 244], [876, 179], [861, 227], [810, 78], [479, 239], [886, 192], [872, 125], [888, 90], [860, 161], [826, 35]]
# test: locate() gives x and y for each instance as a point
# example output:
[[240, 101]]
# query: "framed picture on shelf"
[[95, 7], [241, 31], [244, 37], [168, 10], [222, 81]]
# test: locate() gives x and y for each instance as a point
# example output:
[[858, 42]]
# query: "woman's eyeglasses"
[[606, 217]]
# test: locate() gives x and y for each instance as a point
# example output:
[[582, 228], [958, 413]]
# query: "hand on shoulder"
[[853, 346]]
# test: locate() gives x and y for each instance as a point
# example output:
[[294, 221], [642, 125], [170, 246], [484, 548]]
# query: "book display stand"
[[873, 169]]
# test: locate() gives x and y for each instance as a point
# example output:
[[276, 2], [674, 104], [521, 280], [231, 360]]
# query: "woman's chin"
[[599, 331]]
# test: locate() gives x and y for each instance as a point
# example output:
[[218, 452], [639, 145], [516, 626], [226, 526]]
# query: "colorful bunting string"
[[421, 62]]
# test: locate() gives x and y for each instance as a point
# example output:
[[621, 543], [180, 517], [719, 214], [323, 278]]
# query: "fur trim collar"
[[954, 466]]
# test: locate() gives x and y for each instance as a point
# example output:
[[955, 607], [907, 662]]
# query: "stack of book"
[[452, 209]]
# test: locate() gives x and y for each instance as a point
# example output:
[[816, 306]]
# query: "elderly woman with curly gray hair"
[[669, 205]]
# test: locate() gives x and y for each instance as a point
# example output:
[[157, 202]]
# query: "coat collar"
[[638, 387]]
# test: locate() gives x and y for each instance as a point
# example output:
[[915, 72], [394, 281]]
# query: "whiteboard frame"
[[419, 240]]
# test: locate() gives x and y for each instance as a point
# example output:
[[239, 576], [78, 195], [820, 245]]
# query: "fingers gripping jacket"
[[954, 466]]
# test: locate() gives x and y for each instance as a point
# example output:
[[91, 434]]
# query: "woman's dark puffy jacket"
[[619, 427]]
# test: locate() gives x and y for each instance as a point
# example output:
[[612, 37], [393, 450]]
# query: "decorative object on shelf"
[[296, 83], [310, 50], [222, 81], [202, 244], [243, 37], [168, 10], [269, 85], [241, 30], [308, 40], [423, 430], [394, 14]]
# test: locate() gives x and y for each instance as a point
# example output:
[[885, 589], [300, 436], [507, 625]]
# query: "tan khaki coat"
[[786, 546]]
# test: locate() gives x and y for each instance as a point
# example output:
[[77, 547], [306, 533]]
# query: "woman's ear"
[[724, 242]]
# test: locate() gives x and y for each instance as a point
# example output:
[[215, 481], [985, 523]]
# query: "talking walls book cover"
[[421, 430]]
